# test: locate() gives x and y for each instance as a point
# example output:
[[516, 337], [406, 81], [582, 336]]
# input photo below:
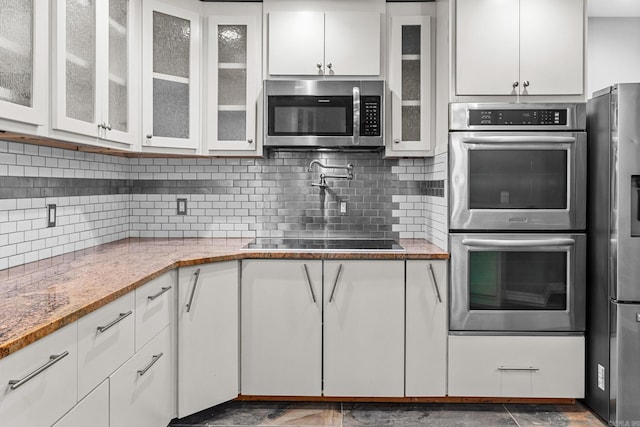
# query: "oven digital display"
[[517, 117]]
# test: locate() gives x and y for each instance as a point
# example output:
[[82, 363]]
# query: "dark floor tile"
[[530, 415], [426, 414]]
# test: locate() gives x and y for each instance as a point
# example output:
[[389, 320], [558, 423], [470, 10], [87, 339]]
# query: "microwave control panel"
[[512, 117], [370, 116]]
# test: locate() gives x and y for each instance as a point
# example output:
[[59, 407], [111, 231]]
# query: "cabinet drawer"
[[92, 411], [154, 307], [49, 386], [141, 390], [516, 366], [105, 341]]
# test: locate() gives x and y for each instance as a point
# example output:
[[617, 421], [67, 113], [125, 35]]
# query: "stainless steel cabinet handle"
[[514, 84], [154, 359], [120, 318], [319, 65], [149, 136], [250, 141], [533, 139], [525, 83], [329, 65], [306, 272], [53, 359], [193, 290], [533, 243], [507, 368], [435, 282], [335, 283], [162, 291], [397, 141]]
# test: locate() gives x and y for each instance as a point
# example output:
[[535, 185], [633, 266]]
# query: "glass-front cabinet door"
[[23, 60], [94, 69], [410, 87], [233, 72], [171, 77]]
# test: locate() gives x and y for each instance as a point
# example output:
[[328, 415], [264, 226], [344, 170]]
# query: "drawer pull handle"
[[154, 359], [53, 359], [162, 291], [193, 290], [120, 318], [507, 368], [435, 282], [306, 272], [335, 283]]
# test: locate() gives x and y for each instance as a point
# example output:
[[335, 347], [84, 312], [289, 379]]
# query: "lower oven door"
[[517, 180], [517, 282]]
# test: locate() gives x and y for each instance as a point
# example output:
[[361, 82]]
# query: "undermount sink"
[[327, 245]]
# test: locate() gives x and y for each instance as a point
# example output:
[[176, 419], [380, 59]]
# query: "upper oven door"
[[517, 180], [517, 282]]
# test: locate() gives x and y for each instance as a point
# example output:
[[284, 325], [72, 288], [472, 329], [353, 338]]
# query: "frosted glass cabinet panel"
[[410, 86], [94, 68], [23, 60], [233, 79], [171, 40]]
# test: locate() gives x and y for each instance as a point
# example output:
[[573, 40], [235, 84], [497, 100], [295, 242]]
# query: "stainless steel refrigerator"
[[613, 304]]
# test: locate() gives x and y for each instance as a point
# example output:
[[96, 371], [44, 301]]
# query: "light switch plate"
[[342, 207], [51, 215], [182, 206]]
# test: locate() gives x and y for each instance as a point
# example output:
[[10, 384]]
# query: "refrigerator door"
[[625, 365], [625, 173]]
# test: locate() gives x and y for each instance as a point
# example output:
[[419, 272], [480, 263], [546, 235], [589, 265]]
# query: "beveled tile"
[[531, 415]]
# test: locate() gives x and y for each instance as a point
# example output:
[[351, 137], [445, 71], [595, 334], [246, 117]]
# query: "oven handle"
[[496, 243], [356, 115], [518, 139]]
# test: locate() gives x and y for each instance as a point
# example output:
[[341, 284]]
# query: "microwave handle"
[[518, 139], [356, 115], [497, 243]]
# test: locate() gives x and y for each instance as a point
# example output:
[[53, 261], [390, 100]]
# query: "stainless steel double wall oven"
[[517, 217]]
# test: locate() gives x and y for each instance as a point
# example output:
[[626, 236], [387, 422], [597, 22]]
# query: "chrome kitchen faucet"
[[323, 176]]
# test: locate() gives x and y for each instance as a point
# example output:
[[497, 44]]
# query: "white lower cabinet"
[[155, 302], [141, 390], [517, 366], [40, 381], [426, 328], [281, 327], [105, 342], [92, 411], [207, 336], [364, 328]]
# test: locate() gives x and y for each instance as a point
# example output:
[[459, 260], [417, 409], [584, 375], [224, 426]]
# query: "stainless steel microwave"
[[324, 113]]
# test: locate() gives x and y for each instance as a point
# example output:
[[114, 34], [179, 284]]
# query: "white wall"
[[613, 52]]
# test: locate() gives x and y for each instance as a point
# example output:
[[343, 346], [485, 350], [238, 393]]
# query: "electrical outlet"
[[182, 206], [51, 215], [342, 207]]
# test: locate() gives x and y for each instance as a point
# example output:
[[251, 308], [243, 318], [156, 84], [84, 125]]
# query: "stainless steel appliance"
[[517, 167], [324, 113], [517, 197], [613, 323]]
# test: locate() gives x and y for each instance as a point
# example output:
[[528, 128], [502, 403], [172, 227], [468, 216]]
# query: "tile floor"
[[391, 414]]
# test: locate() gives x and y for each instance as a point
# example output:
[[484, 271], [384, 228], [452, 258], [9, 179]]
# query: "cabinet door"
[[364, 328], [233, 82], [171, 77], [24, 60], [296, 43], [487, 47], [155, 302], [207, 336], [48, 388], [426, 323], [410, 86], [92, 411], [281, 328], [140, 391], [552, 47], [352, 43]]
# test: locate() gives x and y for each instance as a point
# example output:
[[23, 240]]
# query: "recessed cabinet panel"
[[352, 43], [296, 43]]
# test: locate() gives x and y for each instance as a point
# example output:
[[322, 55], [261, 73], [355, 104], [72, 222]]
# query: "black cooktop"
[[325, 244]]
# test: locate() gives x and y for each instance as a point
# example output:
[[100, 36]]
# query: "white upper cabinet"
[[519, 47], [23, 61], [319, 43], [233, 79], [95, 69], [410, 87], [171, 45]]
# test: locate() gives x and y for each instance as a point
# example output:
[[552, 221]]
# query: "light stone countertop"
[[39, 298]]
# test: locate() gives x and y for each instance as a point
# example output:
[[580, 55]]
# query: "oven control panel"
[[370, 116], [513, 117]]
